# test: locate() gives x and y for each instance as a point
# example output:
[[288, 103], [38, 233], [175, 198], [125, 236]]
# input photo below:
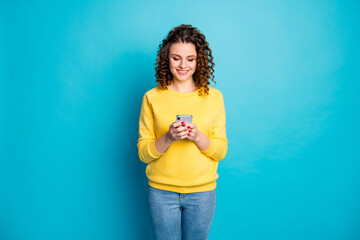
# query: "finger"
[[172, 125], [176, 131], [190, 128], [176, 136], [182, 134], [185, 135], [190, 135], [173, 135], [176, 124], [184, 123], [181, 129]]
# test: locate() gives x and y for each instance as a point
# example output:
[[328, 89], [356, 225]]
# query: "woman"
[[182, 157]]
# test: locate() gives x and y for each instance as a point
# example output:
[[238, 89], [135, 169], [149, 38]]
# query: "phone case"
[[184, 118]]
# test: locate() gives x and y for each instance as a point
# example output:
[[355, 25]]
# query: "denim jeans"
[[173, 213]]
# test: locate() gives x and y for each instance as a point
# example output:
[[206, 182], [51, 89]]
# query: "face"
[[182, 61]]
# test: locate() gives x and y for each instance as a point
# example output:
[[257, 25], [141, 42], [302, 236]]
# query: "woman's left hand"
[[192, 132]]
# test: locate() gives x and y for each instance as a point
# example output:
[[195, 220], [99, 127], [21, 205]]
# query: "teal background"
[[72, 78]]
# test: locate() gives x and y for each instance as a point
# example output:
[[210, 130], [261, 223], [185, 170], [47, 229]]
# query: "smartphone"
[[184, 118]]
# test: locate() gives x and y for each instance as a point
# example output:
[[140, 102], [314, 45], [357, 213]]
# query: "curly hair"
[[204, 66]]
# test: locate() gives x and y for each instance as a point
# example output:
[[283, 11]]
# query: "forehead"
[[183, 49]]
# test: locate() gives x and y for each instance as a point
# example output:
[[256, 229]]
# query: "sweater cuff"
[[153, 152]]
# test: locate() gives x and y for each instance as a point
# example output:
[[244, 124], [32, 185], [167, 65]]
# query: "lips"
[[182, 72]]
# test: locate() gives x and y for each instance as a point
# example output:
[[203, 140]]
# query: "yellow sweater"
[[183, 167]]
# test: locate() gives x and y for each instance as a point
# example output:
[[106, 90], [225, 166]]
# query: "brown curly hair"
[[204, 66]]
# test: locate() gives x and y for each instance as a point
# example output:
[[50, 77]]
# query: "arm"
[[146, 142], [214, 147], [202, 141], [149, 147], [176, 132], [218, 141], [163, 143]]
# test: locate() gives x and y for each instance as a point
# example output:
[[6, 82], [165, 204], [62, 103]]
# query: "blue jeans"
[[188, 213]]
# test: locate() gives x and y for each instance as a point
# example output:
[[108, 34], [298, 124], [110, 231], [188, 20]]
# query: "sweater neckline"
[[183, 93]]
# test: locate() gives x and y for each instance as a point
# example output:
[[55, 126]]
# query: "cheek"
[[193, 66], [172, 67], [172, 64]]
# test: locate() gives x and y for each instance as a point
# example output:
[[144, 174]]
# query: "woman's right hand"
[[177, 131]]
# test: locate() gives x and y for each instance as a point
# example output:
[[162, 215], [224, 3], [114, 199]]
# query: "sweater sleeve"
[[147, 137], [218, 140]]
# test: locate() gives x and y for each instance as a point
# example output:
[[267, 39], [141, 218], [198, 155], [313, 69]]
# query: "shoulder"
[[152, 93], [215, 92]]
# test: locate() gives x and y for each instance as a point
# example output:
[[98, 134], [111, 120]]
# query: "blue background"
[[72, 78]]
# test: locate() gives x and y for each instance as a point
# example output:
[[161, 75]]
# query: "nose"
[[182, 64]]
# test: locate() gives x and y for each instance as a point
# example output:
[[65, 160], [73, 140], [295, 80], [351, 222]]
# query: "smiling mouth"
[[182, 71]]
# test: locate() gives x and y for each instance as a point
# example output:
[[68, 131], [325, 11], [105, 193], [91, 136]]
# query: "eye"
[[190, 60], [176, 59]]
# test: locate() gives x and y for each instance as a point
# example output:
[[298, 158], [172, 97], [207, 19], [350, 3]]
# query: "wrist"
[[197, 139], [168, 137]]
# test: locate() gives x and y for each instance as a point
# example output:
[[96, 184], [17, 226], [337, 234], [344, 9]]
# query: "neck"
[[185, 87]]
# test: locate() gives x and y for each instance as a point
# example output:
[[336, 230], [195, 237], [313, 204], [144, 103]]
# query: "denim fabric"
[[173, 213]]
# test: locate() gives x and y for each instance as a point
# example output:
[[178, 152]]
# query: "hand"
[[177, 131], [192, 132]]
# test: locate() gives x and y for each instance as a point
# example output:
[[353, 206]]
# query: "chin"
[[182, 78]]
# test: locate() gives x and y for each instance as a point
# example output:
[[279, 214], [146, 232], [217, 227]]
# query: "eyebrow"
[[180, 56]]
